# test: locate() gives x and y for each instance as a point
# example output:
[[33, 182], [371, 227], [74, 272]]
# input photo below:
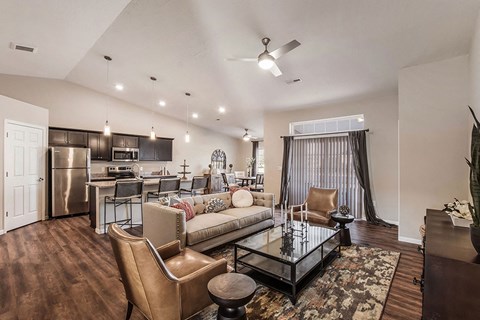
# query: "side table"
[[342, 220], [231, 291]]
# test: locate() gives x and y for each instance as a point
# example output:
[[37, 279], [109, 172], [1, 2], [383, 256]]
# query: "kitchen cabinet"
[[99, 145], [159, 149], [124, 141], [59, 137]]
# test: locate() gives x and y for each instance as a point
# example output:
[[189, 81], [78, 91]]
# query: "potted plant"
[[474, 165]]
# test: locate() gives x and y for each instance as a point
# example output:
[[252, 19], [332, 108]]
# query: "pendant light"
[[153, 136], [106, 128], [246, 136], [187, 135]]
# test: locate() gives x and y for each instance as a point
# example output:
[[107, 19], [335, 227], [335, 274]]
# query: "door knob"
[[40, 179]]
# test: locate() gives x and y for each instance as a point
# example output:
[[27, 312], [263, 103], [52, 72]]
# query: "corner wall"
[[381, 117], [434, 131]]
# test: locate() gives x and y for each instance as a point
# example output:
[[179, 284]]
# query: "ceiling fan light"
[[246, 137], [265, 61]]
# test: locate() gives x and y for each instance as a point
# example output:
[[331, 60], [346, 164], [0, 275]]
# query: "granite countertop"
[[111, 184]]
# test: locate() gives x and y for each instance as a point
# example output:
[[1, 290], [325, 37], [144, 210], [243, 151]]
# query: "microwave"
[[125, 154]]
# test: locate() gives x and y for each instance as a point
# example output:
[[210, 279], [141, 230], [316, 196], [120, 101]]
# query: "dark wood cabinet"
[[124, 141], [452, 270], [99, 145], [159, 149], [58, 137]]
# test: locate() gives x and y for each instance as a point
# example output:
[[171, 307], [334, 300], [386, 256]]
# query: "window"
[[331, 125], [325, 161], [259, 158]]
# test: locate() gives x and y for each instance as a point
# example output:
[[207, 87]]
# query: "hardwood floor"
[[61, 269]]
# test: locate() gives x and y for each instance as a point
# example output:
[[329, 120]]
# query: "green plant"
[[474, 165]]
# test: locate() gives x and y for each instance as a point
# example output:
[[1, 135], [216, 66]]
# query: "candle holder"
[[299, 229]]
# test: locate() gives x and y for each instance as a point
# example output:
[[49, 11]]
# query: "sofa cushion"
[[210, 225], [215, 205], [249, 216], [242, 199], [199, 208]]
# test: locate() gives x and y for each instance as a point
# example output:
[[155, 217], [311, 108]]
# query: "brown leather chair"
[[321, 204], [163, 283]]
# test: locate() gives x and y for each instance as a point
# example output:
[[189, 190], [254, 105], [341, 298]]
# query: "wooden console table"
[[452, 271]]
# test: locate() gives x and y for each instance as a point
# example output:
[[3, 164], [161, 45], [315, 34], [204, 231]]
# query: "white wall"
[[381, 117], [74, 106], [22, 112], [434, 138], [475, 69]]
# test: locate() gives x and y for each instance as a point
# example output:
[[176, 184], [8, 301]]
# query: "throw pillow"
[[242, 199], [187, 207], [199, 208], [215, 205], [168, 201]]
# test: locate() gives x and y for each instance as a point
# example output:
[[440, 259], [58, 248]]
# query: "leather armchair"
[[321, 204], [164, 283]]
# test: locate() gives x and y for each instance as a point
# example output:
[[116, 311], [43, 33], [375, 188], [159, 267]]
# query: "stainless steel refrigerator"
[[69, 173]]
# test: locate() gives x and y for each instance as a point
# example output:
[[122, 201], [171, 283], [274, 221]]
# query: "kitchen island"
[[99, 189]]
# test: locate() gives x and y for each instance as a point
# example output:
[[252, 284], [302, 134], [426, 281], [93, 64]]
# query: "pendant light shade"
[[187, 135], [106, 128], [153, 136]]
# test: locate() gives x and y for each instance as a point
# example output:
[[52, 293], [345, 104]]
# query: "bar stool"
[[165, 187], [126, 192], [199, 184]]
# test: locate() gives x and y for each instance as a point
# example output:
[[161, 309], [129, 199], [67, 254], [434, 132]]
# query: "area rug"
[[354, 286]]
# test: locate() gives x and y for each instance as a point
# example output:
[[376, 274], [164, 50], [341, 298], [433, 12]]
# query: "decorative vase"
[[475, 237]]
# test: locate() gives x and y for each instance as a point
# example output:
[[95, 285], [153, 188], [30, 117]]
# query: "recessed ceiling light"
[[195, 115], [119, 87], [221, 109], [162, 103]]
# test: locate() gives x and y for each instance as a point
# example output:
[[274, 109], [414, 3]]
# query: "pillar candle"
[[291, 214], [306, 211]]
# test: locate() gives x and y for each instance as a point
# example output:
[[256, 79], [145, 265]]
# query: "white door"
[[24, 187]]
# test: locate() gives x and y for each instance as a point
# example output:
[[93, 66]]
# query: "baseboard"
[[410, 240]]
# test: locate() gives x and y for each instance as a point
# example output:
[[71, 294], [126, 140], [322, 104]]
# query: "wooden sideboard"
[[452, 271]]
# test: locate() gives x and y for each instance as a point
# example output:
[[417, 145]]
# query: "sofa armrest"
[[162, 224]]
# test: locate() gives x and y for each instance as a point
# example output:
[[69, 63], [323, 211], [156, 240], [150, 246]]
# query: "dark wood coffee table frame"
[[289, 278]]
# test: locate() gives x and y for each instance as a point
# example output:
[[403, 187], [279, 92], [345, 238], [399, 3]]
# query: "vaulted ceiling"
[[349, 48]]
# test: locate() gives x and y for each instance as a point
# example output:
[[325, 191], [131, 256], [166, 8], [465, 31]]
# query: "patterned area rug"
[[354, 286]]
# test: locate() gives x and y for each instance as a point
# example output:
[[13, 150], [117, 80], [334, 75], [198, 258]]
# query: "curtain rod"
[[322, 134]]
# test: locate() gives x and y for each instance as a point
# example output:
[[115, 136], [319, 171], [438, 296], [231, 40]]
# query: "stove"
[[120, 172]]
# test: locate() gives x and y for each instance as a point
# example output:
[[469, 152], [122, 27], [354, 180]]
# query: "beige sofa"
[[162, 224]]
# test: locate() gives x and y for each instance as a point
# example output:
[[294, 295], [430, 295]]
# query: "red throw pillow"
[[187, 207]]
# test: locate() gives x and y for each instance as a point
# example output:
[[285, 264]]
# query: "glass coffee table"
[[287, 264]]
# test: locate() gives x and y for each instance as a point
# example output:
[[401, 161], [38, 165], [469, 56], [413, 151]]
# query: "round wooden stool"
[[231, 291]]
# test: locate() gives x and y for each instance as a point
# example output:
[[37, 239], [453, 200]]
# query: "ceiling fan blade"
[[243, 59], [284, 49], [275, 71]]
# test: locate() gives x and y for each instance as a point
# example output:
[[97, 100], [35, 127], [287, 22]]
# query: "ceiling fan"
[[266, 60]]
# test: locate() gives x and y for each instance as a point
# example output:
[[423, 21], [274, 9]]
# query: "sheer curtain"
[[324, 162]]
